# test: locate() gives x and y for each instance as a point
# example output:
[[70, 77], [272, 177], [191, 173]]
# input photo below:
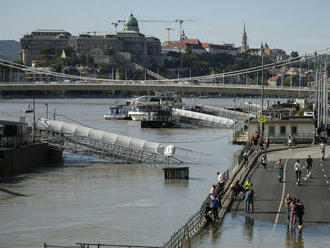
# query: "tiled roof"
[[274, 78], [205, 45], [173, 44], [192, 41]]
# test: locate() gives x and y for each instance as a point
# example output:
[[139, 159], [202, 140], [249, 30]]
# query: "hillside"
[[9, 49]]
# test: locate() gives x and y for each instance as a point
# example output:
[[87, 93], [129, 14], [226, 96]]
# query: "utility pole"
[[46, 104], [262, 89], [34, 118]]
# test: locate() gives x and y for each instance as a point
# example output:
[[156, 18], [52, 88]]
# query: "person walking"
[[298, 169], [322, 146], [267, 142], [300, 213], [261, 143], [246, 158], [279, 165], [290, 141], [264, 161], [248, 184], [309, 166], [250, 202], [247, 197], [293, 213], [287, 202]]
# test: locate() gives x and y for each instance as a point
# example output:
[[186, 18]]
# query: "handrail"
[[183, 233]]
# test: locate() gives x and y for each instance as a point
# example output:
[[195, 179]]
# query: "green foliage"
[[202, 64], [294, 54]]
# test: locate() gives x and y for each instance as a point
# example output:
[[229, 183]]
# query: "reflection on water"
[[293, 240], [243, 231], [248, 228]]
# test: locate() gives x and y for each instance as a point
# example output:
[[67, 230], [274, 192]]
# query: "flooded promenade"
[[90, 200]]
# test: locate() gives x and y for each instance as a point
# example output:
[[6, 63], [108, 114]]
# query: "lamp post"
[[262, 89]]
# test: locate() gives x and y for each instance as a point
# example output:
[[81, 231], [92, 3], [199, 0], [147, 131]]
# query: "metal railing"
[[107, 150], [182, 235], [93, 245]]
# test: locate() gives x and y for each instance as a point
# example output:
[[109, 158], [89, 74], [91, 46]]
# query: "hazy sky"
[[302, 25]]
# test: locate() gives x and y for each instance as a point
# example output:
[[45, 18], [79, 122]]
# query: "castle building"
[[126, 46]]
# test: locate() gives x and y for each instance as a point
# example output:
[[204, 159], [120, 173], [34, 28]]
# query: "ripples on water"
[[90, 200]]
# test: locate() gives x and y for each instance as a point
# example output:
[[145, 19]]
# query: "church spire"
[[244, 46]]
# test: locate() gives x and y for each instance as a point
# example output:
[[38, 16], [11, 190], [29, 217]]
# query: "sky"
[[300, 25]]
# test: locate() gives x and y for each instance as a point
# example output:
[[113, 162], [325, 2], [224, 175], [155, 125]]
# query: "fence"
[[91, 245], [298, 138], [182, 236]]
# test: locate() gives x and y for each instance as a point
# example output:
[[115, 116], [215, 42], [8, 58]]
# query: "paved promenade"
[[313, 192]]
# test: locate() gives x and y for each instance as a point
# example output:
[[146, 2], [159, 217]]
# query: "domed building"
[[127, 46]]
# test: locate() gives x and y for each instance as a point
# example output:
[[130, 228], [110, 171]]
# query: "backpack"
[[300, 209]]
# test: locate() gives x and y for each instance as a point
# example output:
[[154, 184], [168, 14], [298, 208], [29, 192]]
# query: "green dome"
[[131, 21]]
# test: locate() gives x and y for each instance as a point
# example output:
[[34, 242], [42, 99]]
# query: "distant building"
[[274, 81], [196, 47], [278, 129], [225, 48], [126, 46]]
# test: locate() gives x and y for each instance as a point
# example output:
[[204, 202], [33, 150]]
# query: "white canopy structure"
[[129, 144], [203, 117]]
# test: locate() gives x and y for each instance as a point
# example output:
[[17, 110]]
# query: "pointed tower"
[[245, 45]]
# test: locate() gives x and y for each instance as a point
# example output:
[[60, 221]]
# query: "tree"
[[294, 54]]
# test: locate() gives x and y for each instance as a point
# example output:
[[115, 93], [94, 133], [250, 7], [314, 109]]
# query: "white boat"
[[117, 112], [144, 105]]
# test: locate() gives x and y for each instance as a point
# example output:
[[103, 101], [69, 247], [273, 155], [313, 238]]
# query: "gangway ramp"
[[104, 144], [203, 119]]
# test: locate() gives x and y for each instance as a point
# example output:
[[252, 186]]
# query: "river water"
[[90, 200]]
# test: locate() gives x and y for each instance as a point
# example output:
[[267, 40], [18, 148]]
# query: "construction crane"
[[168, 33], [181, 21]]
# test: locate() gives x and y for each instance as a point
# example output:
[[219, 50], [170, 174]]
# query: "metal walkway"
[[104, 144], [204, 120]]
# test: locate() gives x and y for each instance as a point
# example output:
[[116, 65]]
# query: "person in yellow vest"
[[248, 184]]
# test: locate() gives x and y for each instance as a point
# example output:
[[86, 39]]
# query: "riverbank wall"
[[25, 157]]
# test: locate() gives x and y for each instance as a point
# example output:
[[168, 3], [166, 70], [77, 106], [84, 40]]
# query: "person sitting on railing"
[[208, 212], [221, 180], [215, 207], [213, 192], [236, 188]]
